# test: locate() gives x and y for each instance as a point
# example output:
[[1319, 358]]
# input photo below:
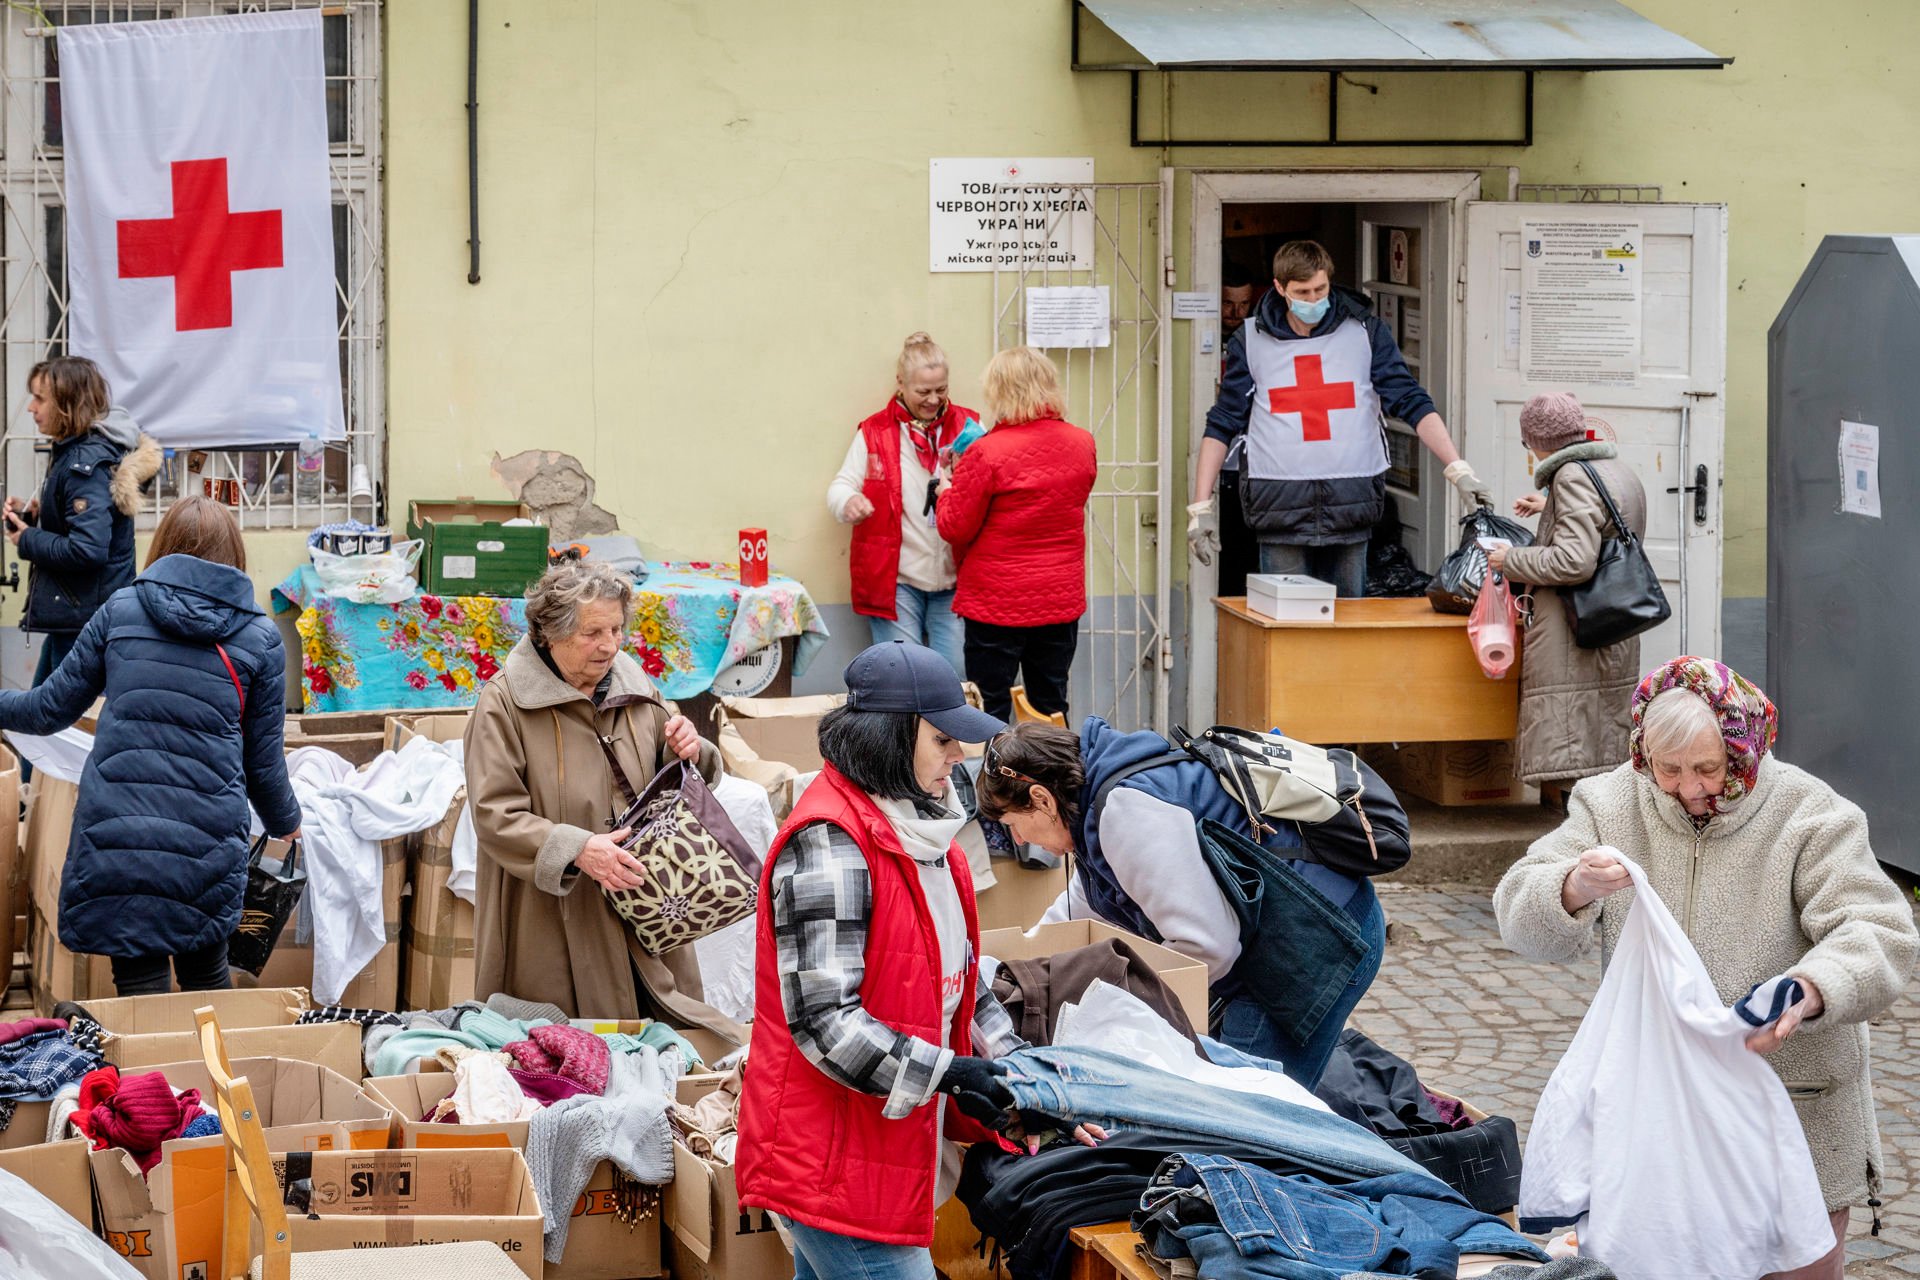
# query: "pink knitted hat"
[[576, 1055], [1552, 422]]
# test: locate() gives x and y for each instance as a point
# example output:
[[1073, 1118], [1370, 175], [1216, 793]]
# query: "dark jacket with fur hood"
[[81, 548]]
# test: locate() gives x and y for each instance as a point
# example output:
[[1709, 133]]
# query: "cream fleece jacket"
[[1784, 882]]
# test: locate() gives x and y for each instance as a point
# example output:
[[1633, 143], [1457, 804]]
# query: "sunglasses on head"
[[993, 766]]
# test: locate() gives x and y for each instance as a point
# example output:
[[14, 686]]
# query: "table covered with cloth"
[[691, 621]]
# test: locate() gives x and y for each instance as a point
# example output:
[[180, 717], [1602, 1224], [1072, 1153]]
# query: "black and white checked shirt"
[[822, 899]]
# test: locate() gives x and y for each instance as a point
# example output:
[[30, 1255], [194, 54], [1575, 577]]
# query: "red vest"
[[811, 1148], [875, 556]]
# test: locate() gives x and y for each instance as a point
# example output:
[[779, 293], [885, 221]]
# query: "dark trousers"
[[202, 970], [999, 657]]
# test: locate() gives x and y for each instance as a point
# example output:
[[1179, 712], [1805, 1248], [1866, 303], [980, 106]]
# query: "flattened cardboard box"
[[712, 1237], [1186, 978], [1450, 773], [58, 1171], [259, 1022], [599, 1245], [394, 1199], [1019, 895], [173, 1219]]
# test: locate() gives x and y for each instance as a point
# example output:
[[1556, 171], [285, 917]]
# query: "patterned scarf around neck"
[[1748, 720]]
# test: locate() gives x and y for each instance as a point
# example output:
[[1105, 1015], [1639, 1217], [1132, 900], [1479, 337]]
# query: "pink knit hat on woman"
[[1552, 422]]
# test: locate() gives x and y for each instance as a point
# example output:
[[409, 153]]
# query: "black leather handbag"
[[1623, 597]]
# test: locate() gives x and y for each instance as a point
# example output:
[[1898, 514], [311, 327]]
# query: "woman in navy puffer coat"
[[194, 676]]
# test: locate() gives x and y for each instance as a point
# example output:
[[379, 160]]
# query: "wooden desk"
[[1381, 671]]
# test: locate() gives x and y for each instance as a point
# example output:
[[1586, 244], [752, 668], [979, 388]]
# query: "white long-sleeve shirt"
[[1154, 853], [926, 562]]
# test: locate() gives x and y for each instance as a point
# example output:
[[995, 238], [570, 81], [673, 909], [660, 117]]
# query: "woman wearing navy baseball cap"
[[867, 994]]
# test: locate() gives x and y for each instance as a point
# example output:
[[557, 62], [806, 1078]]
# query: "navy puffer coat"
[[157, 861]]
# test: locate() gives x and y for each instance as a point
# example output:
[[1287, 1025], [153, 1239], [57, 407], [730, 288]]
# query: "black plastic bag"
[[273, 892], [1391, 573], [1457, 585]]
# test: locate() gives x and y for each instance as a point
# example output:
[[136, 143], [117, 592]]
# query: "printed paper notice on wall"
[[1580, 303], [1070, 316], [1197, 305], [1860, 469]]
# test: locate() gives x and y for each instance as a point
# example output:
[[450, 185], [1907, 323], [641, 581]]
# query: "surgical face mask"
[[1310, 312]]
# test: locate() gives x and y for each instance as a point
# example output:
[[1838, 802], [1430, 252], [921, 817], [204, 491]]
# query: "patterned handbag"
[[702, 874]]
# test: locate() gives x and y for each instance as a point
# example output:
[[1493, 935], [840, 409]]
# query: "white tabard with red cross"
[[1315, 414]]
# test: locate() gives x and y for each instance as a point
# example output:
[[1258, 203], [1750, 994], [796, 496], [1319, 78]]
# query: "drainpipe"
[[473, 142]]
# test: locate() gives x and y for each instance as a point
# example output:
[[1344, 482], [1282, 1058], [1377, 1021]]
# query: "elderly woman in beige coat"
[[1770, 873], [544, 799], [1573, 701]]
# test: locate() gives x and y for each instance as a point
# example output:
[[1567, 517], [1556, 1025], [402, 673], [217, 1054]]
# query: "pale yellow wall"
[[704, 226]]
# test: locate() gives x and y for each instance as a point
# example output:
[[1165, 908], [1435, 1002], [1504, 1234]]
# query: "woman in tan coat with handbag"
[[544, 800], [1573, 701]]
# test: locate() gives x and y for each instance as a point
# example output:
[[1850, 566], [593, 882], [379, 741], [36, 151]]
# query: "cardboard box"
[[1020, 895], [1187, 979], [11, 865], [443, 724], [28, 1127], [436, 964], [58, 1171], [57, 974], [148, 1031], [599, 1245], [781, 781], [786, 730], [711, 1237], [394, 1199], [172, 1219], [1450, 773], [378, 985], [357, 736]]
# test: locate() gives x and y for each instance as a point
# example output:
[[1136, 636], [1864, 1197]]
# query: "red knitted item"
[[136, 1114], [579, 1056]]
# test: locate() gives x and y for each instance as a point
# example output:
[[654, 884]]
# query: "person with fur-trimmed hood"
[[78, 534]]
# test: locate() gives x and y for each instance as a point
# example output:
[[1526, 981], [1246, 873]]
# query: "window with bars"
[[34, 259]]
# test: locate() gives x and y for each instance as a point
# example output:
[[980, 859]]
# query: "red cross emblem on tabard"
[[1313, 398], [200, 246]]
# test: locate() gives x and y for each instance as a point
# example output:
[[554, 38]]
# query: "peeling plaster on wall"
[[558, 490]]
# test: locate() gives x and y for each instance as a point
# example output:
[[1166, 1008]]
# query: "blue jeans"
[[1093, 1086], [1244, 1025], [822, 1255], [1238, 1220], [1344, 565], [925, 617]]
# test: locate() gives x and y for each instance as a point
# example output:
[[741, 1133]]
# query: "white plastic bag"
[[41, 1241], [1678, 1145], [385, 577], [1105, 1017]]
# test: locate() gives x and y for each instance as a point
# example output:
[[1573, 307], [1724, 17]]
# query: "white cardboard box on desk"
[[1290, 597]]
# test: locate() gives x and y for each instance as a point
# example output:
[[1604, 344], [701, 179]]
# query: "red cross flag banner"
[[200, 225]]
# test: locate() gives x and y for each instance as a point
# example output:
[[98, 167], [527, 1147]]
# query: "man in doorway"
[[1305, 380], [1236, 299]]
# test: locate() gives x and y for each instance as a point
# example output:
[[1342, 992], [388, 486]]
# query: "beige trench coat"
[[540, 785], [1575, 703]]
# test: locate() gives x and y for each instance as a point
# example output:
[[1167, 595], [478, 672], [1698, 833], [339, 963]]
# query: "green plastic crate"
[[470, 551]]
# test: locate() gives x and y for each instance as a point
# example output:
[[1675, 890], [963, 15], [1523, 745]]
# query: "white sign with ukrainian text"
[[1027, 212]]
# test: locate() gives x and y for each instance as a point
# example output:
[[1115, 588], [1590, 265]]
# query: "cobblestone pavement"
[[1500, 1023]]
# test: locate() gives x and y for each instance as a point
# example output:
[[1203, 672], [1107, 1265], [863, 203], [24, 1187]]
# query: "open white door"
[[1669, 423]]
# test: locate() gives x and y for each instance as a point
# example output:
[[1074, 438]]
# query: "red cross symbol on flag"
[[1312, 397], [200, 246]]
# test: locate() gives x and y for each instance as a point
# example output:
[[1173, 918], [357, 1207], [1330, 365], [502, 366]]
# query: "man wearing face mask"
[[1306, 380]]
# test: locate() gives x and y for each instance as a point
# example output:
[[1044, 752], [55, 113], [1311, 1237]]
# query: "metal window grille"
[[1588, 193], [33, 256]]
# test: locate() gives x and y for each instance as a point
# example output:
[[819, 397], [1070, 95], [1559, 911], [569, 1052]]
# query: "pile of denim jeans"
[[1164, 1124]]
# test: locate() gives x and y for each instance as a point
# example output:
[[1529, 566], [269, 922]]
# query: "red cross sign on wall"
[[200, 246], [1312, 397]]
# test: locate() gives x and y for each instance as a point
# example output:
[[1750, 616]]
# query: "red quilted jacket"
[[1015, 516]]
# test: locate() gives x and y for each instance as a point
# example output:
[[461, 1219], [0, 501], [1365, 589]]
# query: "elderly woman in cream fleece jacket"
[[1769, 872]]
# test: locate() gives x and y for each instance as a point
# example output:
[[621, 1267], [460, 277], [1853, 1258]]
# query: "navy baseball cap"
[[897, 676]]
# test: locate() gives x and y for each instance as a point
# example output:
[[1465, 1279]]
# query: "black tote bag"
[[1623, 597], [273, 892]]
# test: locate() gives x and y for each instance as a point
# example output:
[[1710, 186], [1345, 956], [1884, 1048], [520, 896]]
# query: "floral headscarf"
[[1748, 721]]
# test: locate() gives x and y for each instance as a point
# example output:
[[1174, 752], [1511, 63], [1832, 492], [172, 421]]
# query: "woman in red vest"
[[867, 996], [1016, 516], [903, 575]]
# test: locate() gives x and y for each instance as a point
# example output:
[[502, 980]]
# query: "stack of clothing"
[[135, 1113], [710, 1128], [41, 1056]]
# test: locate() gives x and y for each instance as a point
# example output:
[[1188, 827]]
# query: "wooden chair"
[[251, 1171], [1024, 711]]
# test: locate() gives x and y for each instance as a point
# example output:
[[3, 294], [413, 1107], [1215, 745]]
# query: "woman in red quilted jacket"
[[1015, 515]]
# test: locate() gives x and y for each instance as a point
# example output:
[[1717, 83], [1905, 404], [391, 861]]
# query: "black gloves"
[[979, 1088]]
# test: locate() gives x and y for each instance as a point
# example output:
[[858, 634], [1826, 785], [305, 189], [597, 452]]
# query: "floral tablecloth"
[[691, 621]]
